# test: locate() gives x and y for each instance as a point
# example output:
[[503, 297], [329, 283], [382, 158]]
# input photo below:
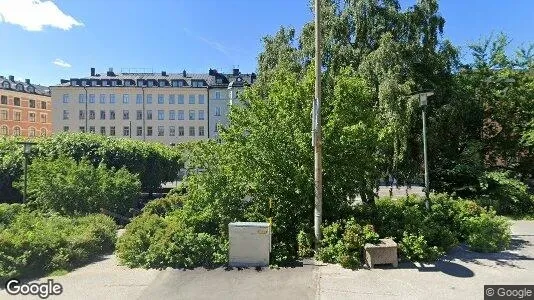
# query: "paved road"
[[460, 275]]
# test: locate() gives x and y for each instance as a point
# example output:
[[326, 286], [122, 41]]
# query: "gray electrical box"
[[250, 244]]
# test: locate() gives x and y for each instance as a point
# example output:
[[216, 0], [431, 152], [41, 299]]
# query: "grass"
[[59, 272]]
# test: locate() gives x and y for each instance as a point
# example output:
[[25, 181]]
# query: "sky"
[[49, 40]]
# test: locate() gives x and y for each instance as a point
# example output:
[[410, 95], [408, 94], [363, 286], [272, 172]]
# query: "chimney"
[[184, 73], [235, 72], [11, 78], [27, 81], [163, 73], [212, 72], [110, 72], [92, 71]]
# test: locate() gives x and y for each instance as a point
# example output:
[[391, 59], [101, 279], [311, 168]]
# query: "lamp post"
[[316, 132], [27, 150], [423, 104]]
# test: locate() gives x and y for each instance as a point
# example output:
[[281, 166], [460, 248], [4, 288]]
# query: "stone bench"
[[384, 252]]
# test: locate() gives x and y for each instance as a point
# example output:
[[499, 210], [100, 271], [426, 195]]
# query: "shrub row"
[[75, 188], [422, 235], [34, 243]]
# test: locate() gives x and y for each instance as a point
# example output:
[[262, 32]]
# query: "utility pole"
[[316, 125]]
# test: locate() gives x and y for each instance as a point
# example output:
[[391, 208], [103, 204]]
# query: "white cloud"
[[33, 15], [61, 63]]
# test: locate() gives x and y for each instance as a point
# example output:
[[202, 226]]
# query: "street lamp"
[[27, 150], [423, 104]]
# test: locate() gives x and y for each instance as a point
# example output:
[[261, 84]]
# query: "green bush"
[[343, 243], [34, 244], [488, 232], [153, 241], [163, 206], [507, 195], [305, 244], [416, 248], [72, 188], [11, 167]]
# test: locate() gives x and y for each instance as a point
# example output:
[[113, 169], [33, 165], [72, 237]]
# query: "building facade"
[[25, 108], [162, 107]]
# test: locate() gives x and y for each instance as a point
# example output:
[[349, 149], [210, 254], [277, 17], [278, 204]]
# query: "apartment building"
[[25, 108], [163, 107]]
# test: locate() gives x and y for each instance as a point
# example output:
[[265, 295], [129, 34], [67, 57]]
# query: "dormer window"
[[114, 83], [6, 85], [104, 83], [162, 83], [140, 82], [73, 82], [180, 83], [218, 81], [20, 87], [150, 83], [83, 82], [197, 83], [93, 83], [126, 82], [31, 89], [174, 83]]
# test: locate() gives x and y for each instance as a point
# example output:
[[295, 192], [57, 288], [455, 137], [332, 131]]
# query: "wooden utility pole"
[[317, 143]]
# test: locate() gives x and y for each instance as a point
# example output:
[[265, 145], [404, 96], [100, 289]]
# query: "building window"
[[83, 82], [218, 81], [114, 83], [139, 131], [191, 131], [112, 115], [31, 132], [161, 130], [103, 98], [191, 99], [161, 115], [172, 131], [91, 98], [149, 99], [43, 131], [217, 95], [112, 98], [125, 131], [81, 98], [16, 131], [43, 118], [196, 83], [126, 82], [103, 130], [125, 98], [171, 99], [91, 129], [217, 111], [161, 99], [16, 116], [149, 131], [140, 82], [112, 130], [65, 128], [201, 115], [3, 130], [139, 114], [65, 98], [150, 83], [92, 115], [174, 83], [31, 117], [94, 83], [216, 129], [161, 83], [181, 131], [32, 104], [149, 115], [104, 83], [3, 100], [6, 85], [200, 99], [172, 115], [81, 128], [201, 130], [16, 101], [43, 105], [180, 99], [139, 99], [126, 115], [180, 115], [3, 115], [191, 115], [102, 115]]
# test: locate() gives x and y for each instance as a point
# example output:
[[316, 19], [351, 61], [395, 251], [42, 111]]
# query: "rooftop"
[[9, 83]]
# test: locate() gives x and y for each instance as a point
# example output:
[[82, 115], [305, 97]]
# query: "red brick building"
[[25, 108]]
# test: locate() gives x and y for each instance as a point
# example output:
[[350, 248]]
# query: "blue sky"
[[173, 35]]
